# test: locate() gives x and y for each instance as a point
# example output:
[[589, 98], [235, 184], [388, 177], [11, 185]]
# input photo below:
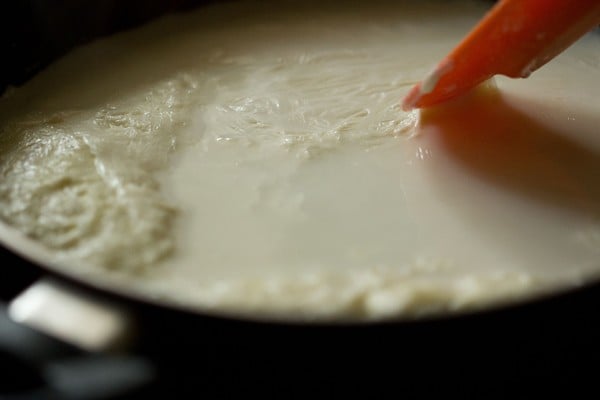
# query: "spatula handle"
[[514, 39]]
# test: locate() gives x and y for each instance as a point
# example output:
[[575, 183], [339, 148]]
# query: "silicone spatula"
[[515, 38]]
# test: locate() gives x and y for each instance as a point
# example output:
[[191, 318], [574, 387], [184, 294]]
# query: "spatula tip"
[[410, 102]]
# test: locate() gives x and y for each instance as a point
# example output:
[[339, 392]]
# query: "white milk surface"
[[254, 159]]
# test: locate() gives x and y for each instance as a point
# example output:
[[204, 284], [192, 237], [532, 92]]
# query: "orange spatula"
[[515, 38]]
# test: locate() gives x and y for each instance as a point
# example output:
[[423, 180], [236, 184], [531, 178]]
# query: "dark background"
[[35, 32]]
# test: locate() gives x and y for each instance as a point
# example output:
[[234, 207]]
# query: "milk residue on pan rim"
[[382, 308]]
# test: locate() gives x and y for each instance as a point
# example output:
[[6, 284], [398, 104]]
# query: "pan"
[[508, 348]]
